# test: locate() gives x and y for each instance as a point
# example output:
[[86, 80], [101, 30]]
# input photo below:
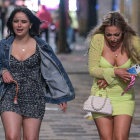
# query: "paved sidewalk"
[[72, 125]]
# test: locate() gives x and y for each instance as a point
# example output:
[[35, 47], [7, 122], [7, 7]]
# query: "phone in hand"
[[134, 69]]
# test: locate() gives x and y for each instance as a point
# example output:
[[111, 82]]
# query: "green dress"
[[100, 68]]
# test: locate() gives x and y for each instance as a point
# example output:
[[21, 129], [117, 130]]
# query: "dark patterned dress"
[[31, 100]]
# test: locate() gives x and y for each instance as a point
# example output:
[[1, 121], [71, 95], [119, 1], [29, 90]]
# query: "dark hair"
[[34, 31]]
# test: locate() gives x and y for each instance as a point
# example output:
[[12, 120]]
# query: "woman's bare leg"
[[105, 127], [12, 123], [31, 128], [122, 124]]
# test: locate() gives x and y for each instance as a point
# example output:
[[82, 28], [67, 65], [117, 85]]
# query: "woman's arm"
[[95, 53], [136, 45], [110, 75], [5, 75]]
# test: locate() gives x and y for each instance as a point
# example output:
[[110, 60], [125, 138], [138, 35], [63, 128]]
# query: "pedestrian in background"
[[45, 16], [31, 75], [70, 32], [114, 47]]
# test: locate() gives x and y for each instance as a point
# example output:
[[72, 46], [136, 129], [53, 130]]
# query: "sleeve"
[[1, 61], [95, 52], [136, 45], [1, 68]]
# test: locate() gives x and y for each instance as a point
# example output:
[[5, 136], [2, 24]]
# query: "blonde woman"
[[114, 47]]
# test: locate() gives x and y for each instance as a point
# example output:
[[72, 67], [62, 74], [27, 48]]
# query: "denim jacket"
[[57, 86]]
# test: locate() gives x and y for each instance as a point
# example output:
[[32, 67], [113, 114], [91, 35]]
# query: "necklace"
[[116, 53], [23, 50]]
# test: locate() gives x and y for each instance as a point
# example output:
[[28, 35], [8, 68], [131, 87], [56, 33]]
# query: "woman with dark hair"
[[31, 75], [34, 30], [114, 47]]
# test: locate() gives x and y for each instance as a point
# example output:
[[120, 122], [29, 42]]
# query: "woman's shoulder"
[[3, 41], [7, 40], [42, 44], [136, 41], [135, 38], [40, 41], [98, 41], [98, 37]]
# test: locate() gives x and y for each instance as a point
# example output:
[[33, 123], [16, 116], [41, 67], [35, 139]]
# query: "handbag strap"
[[95, 92], [15, 99], [99, 108], [104, 102]]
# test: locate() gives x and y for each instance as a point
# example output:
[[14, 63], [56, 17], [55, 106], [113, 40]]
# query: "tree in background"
[[63, 46], [92, 14], [87, 15]]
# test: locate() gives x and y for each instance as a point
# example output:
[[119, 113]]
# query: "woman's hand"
[[102, 83], [7, 78], [63, 106], [123, 74]]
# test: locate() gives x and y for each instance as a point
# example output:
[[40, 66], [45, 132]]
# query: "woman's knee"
[[120, 137], [12, 136], [106, 137], [31, 138]]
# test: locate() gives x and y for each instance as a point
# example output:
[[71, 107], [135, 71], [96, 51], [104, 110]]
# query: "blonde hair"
[[116, 19]]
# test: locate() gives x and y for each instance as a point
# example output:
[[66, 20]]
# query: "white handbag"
[[98, 104]]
